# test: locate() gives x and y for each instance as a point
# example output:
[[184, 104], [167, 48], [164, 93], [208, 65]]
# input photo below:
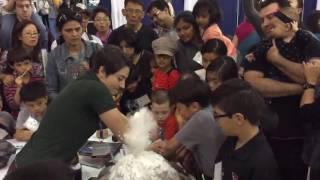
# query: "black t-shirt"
[[252, 161], [145, 36], [303, 46], [69, 121]]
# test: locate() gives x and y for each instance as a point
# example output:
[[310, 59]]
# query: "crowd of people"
[[250, 102]]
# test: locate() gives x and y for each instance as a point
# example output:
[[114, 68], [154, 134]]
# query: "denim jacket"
[[62, 68]]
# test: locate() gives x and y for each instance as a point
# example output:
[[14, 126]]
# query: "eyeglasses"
[[134, 11], [31, 34], [102, 20]]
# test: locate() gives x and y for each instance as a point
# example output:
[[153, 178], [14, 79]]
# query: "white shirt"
[[117, 17], [189, 4]]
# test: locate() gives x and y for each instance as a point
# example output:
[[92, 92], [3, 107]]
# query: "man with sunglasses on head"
[[23, 10], [134, 13], [277, 73]]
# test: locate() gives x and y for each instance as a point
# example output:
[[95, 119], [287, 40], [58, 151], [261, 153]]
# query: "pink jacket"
[[214, 31]]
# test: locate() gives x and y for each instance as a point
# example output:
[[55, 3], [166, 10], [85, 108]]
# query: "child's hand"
[[19, 81], [273, 53], [295, 26], [156, 146], [312, 71], [250, 57], [8, 79]]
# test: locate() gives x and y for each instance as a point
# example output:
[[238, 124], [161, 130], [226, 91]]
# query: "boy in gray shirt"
[[201, 134]]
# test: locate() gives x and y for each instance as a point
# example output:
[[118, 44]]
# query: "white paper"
[[31, 124], [198, 58]]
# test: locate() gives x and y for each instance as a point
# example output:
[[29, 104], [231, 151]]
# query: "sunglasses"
[[63, 18]]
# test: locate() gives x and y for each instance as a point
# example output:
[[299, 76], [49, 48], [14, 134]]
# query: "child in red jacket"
[[164, 114], [165, 77]]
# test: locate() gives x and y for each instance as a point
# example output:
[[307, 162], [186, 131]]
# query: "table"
[[86, 171]]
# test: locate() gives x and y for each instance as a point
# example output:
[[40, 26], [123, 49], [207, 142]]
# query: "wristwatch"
[[308, 86]]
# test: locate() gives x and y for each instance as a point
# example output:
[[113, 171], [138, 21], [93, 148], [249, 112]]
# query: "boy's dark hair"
[[210, 6], [66, 15], [110, 57], [215, 46], [129, 36], [313, 22], [100, 10], [49, 170], [32, 91], [225, 68], [159, 4], [187, 16], [17, 55], [134, 2], [237, 96], [281, 3], [190, 90], [160, 97]]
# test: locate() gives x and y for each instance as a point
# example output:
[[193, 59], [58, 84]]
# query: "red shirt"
[[244, 30], [170, 127], [165, 81]]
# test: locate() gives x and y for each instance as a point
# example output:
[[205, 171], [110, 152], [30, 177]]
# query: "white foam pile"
[[139, 164], [140, 124]]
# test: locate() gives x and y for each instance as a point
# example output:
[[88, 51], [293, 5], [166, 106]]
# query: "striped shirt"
[[9, 91]]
